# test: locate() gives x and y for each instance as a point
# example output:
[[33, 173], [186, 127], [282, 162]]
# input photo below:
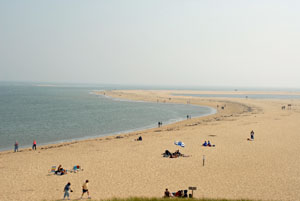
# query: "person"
[[140, 138], [34, 145], [252, 135], [208, 143], [167, 193], [85, 189], [178, 193], [60, 170], [67, 189], [204, 144], [185, 195], [177, 153], [167, 153], [16, 146]]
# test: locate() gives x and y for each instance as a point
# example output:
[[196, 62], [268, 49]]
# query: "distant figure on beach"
[[187, 116], [208, 143], [167, 193], [67, 190], [252, 135], [204, 144], [16, 146], [283, 107], [139, 138], [159, 124], [60, 171], [34, 145], [85, 189]]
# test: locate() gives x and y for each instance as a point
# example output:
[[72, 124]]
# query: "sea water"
[[56, 113]]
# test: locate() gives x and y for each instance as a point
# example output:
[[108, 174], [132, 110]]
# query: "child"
[[66, 190]]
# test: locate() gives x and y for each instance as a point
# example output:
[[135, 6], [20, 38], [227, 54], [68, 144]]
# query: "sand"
[[265, 169]]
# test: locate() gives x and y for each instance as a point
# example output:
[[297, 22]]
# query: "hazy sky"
[[253, 43]]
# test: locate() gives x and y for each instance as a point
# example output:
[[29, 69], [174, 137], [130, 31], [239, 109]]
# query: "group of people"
[[67, 190], [159, 124], [17, 145], [180, 194], [207, 144], [176, 154]]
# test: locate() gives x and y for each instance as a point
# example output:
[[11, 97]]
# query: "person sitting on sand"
[[167, 193], [60, 170], [204, 144], [140, 138], [208, 143]]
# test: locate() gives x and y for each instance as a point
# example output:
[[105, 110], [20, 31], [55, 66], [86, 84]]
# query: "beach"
[[118, 166]]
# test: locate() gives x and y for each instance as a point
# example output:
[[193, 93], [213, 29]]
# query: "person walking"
[[252, 135], [16, 146], [34, 145], [85, 189], [67, 190]]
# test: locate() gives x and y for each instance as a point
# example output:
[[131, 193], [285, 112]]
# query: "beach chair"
[[53, 168]]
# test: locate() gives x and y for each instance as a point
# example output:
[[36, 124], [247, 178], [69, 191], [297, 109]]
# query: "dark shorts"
[[85, 190]]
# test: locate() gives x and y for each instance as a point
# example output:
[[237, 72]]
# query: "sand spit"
[[117, 166]]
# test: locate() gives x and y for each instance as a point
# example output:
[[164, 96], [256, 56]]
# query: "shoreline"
[[115, 95], [118, 166], [88, 138]]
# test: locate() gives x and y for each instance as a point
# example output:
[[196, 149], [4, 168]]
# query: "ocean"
[[59, 113]]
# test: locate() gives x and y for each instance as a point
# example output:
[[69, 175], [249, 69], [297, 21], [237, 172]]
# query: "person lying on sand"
[[176, 154]]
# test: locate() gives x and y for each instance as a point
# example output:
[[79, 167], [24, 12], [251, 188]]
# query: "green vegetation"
[[166, 199]]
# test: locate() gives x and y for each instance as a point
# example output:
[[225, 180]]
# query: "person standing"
[[16, 146], [67, 190], [252, 135], [85, 189], [34, 145]]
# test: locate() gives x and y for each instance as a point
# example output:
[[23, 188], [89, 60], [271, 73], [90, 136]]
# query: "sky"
[[156, 42]]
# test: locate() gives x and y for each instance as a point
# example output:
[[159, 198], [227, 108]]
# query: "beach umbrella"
[[179, 143]]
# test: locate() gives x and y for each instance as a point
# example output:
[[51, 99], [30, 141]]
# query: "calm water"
[[55, 114]]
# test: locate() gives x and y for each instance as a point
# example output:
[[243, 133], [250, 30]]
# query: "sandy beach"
[[118, 166]]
